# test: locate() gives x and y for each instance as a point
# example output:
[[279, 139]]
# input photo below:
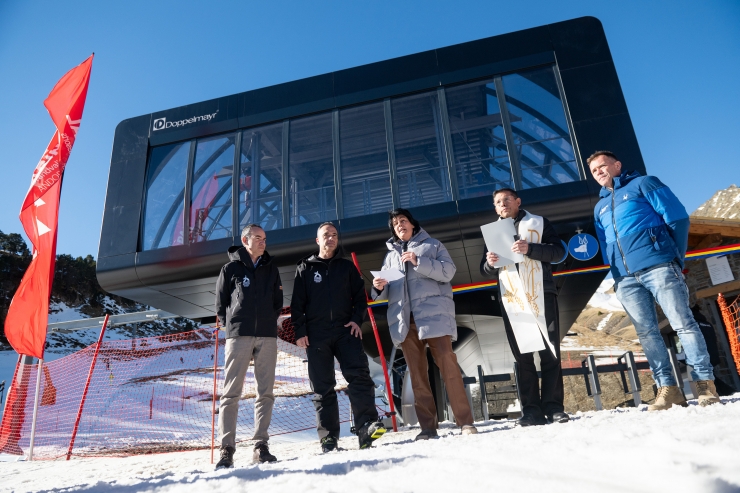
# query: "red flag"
[[25, 324]]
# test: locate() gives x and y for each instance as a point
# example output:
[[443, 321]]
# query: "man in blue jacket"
[[643, 229]]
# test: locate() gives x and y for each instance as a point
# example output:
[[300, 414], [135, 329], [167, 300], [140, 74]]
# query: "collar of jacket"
[[240, 254], [314, 257], [415, 240], [620, 181]]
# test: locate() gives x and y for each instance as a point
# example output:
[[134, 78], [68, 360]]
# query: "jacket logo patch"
[[625, 197], [316, 277], [603, 209], [245, 282]]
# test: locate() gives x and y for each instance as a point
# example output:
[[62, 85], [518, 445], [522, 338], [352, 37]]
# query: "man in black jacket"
[[327, 309], [249, 296], [536, 409]]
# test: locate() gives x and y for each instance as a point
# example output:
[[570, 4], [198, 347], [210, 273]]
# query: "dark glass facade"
[[456, 142], [163, 221], [436, 132]]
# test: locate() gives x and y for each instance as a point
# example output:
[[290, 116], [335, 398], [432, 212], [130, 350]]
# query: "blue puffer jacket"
[[651, 224]]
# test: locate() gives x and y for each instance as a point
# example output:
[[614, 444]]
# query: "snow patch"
[[606, 301], [680, 450], [604, 321]]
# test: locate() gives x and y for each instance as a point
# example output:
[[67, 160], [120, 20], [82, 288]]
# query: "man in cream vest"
[[529, 307]]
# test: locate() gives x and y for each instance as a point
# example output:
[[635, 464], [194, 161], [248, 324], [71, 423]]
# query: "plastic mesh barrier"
[[150, 395], [731, 318]]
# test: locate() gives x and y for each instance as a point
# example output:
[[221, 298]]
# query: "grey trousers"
[[239, 352]]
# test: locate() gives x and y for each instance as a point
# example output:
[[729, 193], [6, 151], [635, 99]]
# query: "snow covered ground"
[[692, 450], [604, 300]]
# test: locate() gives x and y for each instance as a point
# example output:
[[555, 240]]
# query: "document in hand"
[[389, 275], [499, 236]]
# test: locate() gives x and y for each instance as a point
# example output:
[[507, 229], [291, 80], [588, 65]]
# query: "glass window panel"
[[366, 185], [165, 190], [478, 141], [311, 165], [539, 128], [420, 163], [210, 199], [261, 198]]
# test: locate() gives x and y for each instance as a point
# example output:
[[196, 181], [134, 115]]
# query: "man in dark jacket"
[[249, 296], [327, 309], [643, 229], [537, 409]]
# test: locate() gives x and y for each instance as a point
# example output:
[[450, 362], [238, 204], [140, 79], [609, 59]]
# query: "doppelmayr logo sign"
[[162, 123]]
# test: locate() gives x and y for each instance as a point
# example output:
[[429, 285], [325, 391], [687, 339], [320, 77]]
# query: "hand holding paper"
[[389, 275], [499, 237]]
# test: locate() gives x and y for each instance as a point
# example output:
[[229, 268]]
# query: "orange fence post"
[[380, 352], [87, 386], [732, 323]]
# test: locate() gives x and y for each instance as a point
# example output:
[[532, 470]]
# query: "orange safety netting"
[[731, 318], [150, 395]]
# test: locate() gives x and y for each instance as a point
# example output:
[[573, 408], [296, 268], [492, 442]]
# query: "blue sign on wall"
[[583, 247]]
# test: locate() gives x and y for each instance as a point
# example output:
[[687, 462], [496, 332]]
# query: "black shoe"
[[227, 458], [262, 453], [426, 435], [369, 432], [559, 417], [328, 443], [531, 420]]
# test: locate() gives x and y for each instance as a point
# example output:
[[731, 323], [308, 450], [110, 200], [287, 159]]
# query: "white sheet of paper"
[[389, 275], [499, 236], [719, 270]]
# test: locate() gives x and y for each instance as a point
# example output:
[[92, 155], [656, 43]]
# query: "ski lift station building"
[[435, 132]]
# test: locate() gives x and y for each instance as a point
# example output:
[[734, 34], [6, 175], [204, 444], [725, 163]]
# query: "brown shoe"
[[668, 396], [707, 392]]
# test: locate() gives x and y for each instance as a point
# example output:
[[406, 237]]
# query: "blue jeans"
[[664, 283]]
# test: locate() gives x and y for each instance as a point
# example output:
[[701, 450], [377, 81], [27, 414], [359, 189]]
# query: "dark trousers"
[[551, 398], [353, 363]]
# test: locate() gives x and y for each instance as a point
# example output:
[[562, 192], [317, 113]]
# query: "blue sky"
[[678, 63]]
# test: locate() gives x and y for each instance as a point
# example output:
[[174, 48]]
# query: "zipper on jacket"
[[616, 235], [328, 287], [255, 303]]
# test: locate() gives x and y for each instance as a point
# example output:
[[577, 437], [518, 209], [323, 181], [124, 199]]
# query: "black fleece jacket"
[[549, 250], [249, 298], [326, 295]]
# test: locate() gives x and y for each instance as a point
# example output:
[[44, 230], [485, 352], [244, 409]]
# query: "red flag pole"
[[27, 317], [389, 392], [87, 386], [213, 403]]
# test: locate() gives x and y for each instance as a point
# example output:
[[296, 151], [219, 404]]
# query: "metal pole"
[[676, 369], [213, 402], [634, 377], [35, 409], [483, 393], [380, 352], [87, 386], [593, 377]]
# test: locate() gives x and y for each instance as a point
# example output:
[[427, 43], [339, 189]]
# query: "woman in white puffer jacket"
[[420, 312]]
